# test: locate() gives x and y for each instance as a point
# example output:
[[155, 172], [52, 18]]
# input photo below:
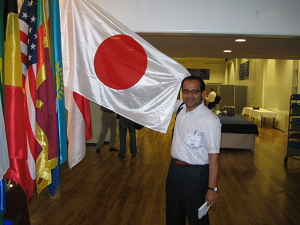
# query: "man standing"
[[193, 170], [125, 124], [211, 98], [109, 120]]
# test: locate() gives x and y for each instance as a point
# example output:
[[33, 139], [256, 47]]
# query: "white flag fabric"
[[112, 66], [4, 160], [75, 130]]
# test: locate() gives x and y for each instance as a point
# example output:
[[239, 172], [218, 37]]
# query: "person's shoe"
[[133, 155], [121, 156], [113, 149], [98, 150]]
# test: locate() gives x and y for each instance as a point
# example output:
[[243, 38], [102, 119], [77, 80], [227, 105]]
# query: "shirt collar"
[[197, 111]]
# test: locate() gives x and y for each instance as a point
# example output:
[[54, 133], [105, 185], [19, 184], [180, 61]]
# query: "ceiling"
[[185, 46], [205, 46]]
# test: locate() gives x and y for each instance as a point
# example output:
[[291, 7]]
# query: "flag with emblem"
[[46, 117], [56, 64], [58, 75], [112, 66]]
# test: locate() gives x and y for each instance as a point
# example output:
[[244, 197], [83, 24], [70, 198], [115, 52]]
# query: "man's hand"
[[211, 197]]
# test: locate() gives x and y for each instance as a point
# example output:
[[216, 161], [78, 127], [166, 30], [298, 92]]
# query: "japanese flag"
[[112, 66]]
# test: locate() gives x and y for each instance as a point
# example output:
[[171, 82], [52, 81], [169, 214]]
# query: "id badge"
[[193, 139]]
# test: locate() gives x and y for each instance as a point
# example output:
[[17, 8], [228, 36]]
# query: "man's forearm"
[[213, 170]]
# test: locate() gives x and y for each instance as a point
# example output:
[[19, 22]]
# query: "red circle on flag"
[[120, 62]]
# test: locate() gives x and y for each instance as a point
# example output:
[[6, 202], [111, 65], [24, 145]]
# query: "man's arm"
[[212, 196]]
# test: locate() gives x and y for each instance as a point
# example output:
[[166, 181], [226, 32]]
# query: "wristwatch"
[[213, 189]]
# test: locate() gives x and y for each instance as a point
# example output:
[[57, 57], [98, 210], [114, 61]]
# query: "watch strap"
[[213, 189]]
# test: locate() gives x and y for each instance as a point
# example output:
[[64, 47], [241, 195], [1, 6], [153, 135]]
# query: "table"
[[259, 114], [237, 132]]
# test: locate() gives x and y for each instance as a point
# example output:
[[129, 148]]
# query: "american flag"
[[28, 35]]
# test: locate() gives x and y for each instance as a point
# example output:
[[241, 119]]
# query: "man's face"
[[191, 100]]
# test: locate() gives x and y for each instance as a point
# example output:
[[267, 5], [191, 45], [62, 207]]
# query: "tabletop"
[[259, 113]]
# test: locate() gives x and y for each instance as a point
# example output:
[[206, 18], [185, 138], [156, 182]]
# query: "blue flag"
[[59, 85], [60, 99]]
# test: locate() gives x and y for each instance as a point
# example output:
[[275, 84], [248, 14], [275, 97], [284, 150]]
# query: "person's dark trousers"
[[17, 206], [211, 105], [186, 187], [125, 123]]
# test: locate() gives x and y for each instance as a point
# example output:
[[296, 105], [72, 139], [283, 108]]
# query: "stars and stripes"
[[28, 36]]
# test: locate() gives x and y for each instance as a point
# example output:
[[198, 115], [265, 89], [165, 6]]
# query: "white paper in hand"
[[203, 210]]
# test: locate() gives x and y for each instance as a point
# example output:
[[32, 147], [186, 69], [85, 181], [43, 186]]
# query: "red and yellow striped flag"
[[14, 102]]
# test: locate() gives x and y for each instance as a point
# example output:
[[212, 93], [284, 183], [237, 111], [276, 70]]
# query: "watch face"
[[215, 189]]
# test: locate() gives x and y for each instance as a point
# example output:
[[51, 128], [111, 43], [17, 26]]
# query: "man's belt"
[[182, 163]]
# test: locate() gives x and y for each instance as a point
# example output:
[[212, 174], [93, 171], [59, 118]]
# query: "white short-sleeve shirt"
[[211, 96], [196, 134]]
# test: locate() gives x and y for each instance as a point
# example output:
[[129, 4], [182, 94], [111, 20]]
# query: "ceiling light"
[[227, 51], [240, 40]]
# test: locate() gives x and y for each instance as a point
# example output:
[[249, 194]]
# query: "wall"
[[255, 17], [256, 99], [216, 66], [279, 88], [269, 85], [97, 124], [242, 17]]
